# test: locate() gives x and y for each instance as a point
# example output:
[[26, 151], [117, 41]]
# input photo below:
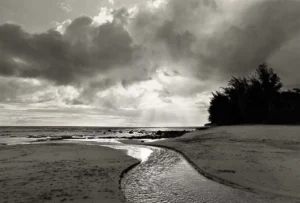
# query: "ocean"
[[16, 134]]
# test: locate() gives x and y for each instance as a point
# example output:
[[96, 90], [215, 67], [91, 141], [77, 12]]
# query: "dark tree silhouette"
[[237, 94], [256, 99], [219, 109]]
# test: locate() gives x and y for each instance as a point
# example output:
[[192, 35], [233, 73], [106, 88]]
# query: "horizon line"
[[100, 126]]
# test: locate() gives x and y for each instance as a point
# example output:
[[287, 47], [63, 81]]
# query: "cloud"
[[286, 62], [65, 7], [33, 91], [214, 38], [103, 16], [82, 51], [157, 53], [61, 27], [203, 39]]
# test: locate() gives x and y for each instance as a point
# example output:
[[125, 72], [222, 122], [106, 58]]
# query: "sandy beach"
[[262, 159], [61, 173]]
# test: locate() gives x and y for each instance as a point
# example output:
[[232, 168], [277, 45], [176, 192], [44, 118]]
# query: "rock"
[[210, 125], [32, 136], [67, 137], [56, 138], [159, 133], [202, 128], [42, 140]]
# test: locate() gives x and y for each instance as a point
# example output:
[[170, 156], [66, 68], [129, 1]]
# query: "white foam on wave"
[[16, 140], [24, 140], [100, 140]]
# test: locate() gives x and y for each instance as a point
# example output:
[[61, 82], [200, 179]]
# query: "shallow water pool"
[[166, 176]]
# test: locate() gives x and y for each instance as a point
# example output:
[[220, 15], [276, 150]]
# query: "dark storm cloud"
[[261, 30], [204, 40], [178, 44], [82, 51], [201, 34], [286, 62]]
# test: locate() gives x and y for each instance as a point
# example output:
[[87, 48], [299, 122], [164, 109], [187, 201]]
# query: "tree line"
[[256, 99]]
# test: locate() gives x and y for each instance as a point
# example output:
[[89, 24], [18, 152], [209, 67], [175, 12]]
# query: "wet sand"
[[261, 159], [166, 176], [61, 173]]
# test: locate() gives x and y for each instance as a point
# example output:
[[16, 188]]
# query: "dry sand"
[[61, 173], [262, 159]]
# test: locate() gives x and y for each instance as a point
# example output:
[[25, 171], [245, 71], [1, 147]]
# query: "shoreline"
[[124, 172], [203, 150], [202, 172], [188, 139], [175, 177], [197, 168], [225, 182]]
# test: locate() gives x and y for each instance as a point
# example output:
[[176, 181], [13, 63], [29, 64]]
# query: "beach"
[[260, 159], [61, 173]]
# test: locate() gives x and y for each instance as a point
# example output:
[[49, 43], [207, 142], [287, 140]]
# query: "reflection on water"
[[100, 140], [165, 176], [140, 153]]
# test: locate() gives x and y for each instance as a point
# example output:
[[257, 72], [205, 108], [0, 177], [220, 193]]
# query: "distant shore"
[[61, 173], [262, 159]]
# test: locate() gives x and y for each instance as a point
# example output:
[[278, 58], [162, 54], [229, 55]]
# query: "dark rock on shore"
[[159, 133], [67, 137], [163, 134], [203, 128], [56, 138]]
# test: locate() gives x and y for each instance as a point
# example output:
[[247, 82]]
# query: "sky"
[[136, 62]]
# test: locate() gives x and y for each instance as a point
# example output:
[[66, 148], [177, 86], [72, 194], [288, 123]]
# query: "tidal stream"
[[166, 176]]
